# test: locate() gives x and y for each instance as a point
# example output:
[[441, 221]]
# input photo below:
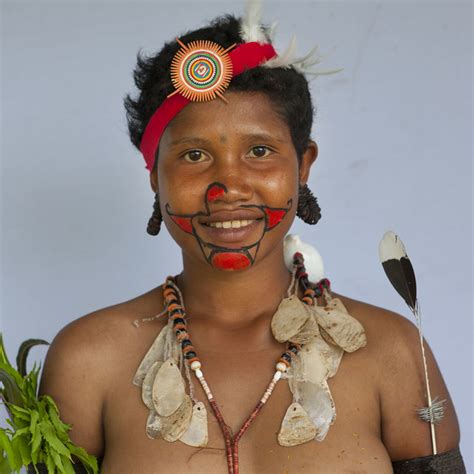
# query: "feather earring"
[[401, 275]]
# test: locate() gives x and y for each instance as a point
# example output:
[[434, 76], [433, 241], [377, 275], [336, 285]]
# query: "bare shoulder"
[[82, 362], [393, 342]]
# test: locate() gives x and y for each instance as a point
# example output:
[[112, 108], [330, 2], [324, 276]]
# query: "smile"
[[232, 224], [229, 238]]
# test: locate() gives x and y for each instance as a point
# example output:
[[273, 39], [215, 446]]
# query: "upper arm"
[[75, 378], [403, 390]]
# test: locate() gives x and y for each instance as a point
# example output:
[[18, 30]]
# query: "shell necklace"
[[307, 362]]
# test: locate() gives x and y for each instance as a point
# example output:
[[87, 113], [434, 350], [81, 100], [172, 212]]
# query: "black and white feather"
[[398, 267], [400, 272]]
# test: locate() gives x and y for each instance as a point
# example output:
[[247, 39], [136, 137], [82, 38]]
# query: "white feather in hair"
[[251, 25], [251, 30], [303, 64]]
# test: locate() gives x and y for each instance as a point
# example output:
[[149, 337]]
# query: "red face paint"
[[230, 261], [214, 192], [274, 216], [184, 223]]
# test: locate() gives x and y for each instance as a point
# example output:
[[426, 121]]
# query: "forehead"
[[244, 112]]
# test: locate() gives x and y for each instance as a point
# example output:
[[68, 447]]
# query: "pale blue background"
[[394, 131]]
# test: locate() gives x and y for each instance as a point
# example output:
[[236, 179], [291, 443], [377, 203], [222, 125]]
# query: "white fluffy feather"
[[302, 64], [250, 27], [285, 59], [251, 30], [312, 258]]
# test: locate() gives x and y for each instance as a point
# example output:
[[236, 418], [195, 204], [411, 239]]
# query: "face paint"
[[221, 257], [215, 191], [230, 261]]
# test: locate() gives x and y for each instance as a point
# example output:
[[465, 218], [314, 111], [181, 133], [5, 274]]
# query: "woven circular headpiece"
[[201, 70]]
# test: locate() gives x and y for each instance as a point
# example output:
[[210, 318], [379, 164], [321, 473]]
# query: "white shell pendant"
[[196, 434], [342, 328], [296, 427], [289, 318], [307, 333], [332, 354], [153, 425], [147, 386], [155, 352], [313, 366], [168, 389], [317, 401], [174, 426]]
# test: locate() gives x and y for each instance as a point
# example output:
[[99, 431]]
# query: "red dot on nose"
[[214, 192]]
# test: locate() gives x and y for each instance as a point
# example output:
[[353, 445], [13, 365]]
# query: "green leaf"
[[50, 464], [88, 461], [13, 456], [20, 445], [68, 467], [57, 459], [50, 436], [41, 404], [36, 436], [23, 353], [3, 353], [21, 432], [4, 464], [12, 372], [19, 411], [60, 427], [31, 383], [19, 419], [11, 392]]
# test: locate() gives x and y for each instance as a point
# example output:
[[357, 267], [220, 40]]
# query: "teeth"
[[231, 224]]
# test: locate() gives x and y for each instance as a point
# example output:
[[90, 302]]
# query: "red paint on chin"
[[214, 192], [230, 261], [184, 223], [274, 217]]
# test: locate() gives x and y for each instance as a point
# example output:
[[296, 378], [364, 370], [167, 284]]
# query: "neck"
[[235, 300]]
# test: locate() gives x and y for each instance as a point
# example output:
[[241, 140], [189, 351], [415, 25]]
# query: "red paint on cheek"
[[274, 217], [214, 192], [184, 223], [230, 261]]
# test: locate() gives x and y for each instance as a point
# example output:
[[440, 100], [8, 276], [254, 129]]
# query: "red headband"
[[245, 56]]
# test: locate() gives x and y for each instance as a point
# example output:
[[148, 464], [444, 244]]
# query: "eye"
[[194, 156], [259, 151]]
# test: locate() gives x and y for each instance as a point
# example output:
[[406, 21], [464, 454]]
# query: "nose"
[[232, 184]]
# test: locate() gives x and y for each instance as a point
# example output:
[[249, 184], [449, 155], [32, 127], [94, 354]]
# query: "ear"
[[308, 158], [154, 180]]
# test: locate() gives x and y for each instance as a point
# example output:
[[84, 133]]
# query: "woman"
[[229, 177]]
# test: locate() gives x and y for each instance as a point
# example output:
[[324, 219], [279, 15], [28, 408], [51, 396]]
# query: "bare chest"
[[353, 443]]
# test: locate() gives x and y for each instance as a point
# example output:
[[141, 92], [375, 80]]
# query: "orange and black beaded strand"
[[311, 291], [177, 315]]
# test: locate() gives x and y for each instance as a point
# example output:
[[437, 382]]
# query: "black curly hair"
[[287, 88]]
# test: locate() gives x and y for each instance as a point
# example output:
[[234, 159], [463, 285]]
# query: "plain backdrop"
[[394, 133]]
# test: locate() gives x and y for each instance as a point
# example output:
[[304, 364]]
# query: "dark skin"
[[92, 361]]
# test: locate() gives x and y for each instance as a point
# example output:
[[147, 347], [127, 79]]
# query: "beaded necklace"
[[176, 313]]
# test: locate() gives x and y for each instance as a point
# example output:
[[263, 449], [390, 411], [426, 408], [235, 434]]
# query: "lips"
[[230, 237], [231, 215]]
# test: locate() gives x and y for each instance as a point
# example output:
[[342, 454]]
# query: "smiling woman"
[[255, 357]]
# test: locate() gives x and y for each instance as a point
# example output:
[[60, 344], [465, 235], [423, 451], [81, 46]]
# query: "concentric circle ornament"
[[201, 70]]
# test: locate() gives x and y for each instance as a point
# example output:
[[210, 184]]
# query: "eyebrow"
[[264, 137]]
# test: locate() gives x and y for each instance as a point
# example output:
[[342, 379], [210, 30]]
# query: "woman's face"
[[228, 179]]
